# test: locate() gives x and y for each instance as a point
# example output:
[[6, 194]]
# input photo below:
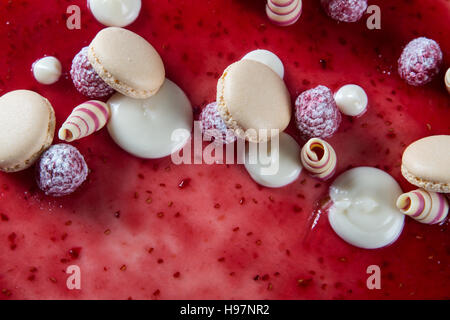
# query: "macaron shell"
[[27, 127], [426, 163], [127, 62], [250, 95]]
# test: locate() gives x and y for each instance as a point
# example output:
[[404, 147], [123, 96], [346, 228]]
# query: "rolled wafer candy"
[[84, 120], [319, 158], [424, 206], [284, 12]]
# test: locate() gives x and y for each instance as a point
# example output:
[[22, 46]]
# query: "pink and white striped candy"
[[424, 206], [319, 159], [84, 120], [284, 12]]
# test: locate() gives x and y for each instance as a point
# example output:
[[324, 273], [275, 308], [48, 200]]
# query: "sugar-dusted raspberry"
[[86, 80], [316, 113], [213, 125], [420, 61], [61, 170], [345, 10]]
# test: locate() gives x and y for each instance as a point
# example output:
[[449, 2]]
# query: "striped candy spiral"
[[319, 158], [424, 206], [284, 12], [84, 120]]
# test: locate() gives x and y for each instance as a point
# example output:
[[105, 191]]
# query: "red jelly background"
[[148, 229]]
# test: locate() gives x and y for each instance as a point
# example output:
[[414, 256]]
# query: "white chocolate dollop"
[[364, 211], [47, 70], [351, 100], [115, 13], [268, 58], [144, 127], [277, 164]]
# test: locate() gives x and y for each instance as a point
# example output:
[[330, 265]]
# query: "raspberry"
[[345, 10], [86, 80], [213, 125], [61, 170], [420, 61], [316, 113]]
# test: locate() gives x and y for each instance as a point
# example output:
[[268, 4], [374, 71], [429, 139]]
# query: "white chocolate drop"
[[277, 167], [364, 211], [268, 58], [144, 127], [351, 100], [47, 70], [115, 13]]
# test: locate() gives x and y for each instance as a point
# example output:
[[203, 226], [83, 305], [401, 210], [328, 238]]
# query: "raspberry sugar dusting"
[[61, 170], [214, 127], [420, 61], [344, 10], [316, 113], [86, 80]]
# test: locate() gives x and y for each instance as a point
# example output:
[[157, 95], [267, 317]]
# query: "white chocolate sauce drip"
[[319, 158], [152, 128], [268, 58], [277, 166], [424, 206], [363, 212]]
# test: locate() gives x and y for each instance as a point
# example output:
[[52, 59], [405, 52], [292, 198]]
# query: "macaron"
[[253, 100], [27, 127], [426, 163], [127, 62]]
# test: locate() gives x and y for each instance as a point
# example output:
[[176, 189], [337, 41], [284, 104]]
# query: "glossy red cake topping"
[[135, 234]]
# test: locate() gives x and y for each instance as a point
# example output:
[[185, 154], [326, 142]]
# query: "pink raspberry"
[[420, 61], [61, 170], [86, 80], [213, 125], [316, 113], [345, 10]]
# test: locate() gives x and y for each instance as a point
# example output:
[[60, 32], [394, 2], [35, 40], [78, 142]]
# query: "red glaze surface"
[[135, 233]]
